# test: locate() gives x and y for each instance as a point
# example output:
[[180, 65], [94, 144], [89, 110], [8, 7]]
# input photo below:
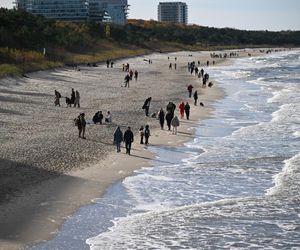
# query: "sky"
[[272, 15]]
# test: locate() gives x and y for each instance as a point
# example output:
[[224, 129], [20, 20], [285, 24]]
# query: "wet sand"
[[47, 172]]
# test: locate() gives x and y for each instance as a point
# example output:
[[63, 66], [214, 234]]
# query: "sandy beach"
[[47, 172]]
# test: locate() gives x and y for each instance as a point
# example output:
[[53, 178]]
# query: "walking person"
[[187, 110], [128, 138], [169, 117], [161, 117], [171, 107], [72, 97], [190, 90], [146, 105], [126, 80], [57, 98], [136, 74], [142, 134], [147, 134], [81, 124], [195, 97], [131, 74], [181, 109], [118, 138], [77, 99], [202, 72], [175, 124]]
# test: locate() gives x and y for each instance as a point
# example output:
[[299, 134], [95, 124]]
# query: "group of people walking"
[[192, 68], [73, 100], [130, 76], [170, 117]]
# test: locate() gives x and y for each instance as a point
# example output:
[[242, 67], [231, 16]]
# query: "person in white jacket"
[[175, 124]]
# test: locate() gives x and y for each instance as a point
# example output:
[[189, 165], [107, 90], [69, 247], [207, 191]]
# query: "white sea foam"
[[288, 113], [297, 134], [287, 181], [237, 74]]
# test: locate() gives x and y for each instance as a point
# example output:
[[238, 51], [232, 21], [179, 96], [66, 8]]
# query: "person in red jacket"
[[181, 109]]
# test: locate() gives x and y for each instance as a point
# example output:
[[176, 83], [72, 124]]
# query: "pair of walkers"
[[172, 121], [80, 122], [184, 108], [128, 138], [170, 109], [144, 133], [75, 98]]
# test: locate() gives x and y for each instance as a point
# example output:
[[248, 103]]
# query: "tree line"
[[21, 30]]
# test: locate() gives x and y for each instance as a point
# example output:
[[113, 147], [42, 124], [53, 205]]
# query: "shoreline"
[[72, 190]]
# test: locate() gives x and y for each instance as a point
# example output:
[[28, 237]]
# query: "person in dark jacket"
[[57, 98], [98, 117], [195, 97], [147, 134], [136, 74], [128, 138], [169, 118], [73, 96], [171, 107], [118, 138], [190, 90], [146, 105], [81, 124], [187, 110], [95, 118], [127, 80], [161, 117]]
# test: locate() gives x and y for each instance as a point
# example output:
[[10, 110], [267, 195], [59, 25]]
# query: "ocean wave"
[[286, 183], [246, 223]]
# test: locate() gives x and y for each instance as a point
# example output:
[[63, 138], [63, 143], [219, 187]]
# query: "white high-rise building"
[[174, 12]]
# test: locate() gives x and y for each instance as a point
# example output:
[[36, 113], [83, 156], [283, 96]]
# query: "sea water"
[[235, 184]]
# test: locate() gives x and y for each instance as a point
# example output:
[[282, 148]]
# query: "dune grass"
[[9, 70], [103, 56]]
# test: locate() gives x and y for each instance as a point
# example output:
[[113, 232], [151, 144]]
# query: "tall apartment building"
[[114, 11], [175, 12], [117, 10]]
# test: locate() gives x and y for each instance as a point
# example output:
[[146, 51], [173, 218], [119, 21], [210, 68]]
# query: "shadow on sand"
[[20, 199]]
